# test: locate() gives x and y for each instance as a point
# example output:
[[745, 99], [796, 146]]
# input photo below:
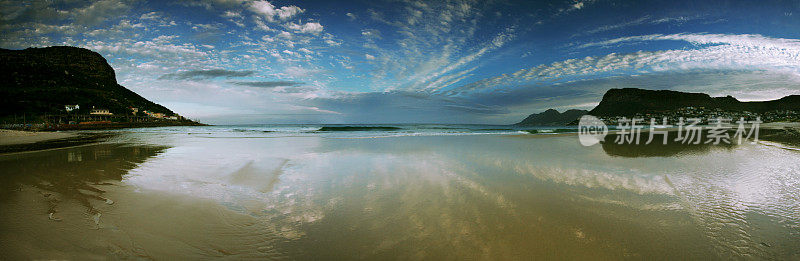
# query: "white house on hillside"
[[100, 112]]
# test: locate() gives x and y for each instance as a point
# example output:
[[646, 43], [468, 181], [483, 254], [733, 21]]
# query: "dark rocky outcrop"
[[39, 81], [552, 117], [630, 101]]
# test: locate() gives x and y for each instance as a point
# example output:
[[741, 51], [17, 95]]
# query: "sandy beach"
[[14, 137], [240, 192], [14, 141]]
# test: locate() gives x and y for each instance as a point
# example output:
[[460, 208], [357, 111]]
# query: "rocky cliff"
[[552, 117], [630, 101], [38, 81]]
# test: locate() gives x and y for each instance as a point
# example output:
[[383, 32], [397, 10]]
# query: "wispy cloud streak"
[[714, 52], [268, 84], [205, 74]]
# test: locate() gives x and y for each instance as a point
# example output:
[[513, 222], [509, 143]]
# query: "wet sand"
[[149, 225], [15, 137], [12, 141], [165, 196], [71, 204]]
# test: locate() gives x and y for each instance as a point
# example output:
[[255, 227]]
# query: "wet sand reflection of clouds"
[[657, 148], [72, 174], [436, 197]]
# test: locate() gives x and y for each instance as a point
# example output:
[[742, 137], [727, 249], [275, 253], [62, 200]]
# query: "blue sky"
[[245, 61]]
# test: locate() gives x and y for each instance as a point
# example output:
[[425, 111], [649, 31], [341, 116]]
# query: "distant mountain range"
[[552, 117], [39, 81], [631, 101]]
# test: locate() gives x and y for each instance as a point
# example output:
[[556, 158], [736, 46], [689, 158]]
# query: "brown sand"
[[14, 137], [12, 141]]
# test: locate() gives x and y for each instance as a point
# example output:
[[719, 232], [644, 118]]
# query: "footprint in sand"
[[96, 219], [53, 217]]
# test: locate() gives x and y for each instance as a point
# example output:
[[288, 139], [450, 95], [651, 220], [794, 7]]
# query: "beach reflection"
[[72, 173], [459, 197], [491, 196], [657, 148]]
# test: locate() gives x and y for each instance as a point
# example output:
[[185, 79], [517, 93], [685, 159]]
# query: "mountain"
[[38, 81], [630, 101], [552, 117]]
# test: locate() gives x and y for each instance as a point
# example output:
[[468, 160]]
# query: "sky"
[[375, 61]]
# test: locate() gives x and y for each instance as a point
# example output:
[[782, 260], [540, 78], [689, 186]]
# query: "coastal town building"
[[705, 115], [154, 114], [100, 112]]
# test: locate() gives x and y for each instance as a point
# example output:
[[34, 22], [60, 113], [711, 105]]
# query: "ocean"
[[353, 130]]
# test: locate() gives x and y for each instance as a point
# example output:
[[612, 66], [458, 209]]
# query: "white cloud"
[[262, 26], [576, 5], [369, 57], [311, 27], [269, 12], [429, 82], [276, 55], [332, 42], [150, 16], [263, 8], [433, 44], [159, 47], [287, 12], [205, 27], [746, 40], [231, 14], [285, 35], [644, 20], [726, 52], [371, 34], [300, 72], [99, 11]]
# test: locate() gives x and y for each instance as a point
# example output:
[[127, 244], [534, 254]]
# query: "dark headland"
[[67, 88], [633, 102], [552, 117], [781, 117]]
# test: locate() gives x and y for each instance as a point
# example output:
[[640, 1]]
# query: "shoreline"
[[165, 195], [16, 137], [783, 133], [16, 141], [13, 141], [118, 125]]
